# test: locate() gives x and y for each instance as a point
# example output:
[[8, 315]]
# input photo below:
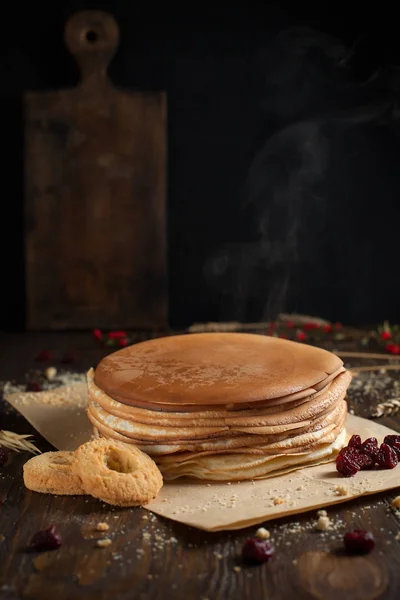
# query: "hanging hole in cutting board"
[[92, 36]]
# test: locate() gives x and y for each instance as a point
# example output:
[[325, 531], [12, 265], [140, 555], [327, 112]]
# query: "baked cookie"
[[117, 473], [52, 473]]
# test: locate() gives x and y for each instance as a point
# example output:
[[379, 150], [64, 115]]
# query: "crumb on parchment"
[[278, 501]]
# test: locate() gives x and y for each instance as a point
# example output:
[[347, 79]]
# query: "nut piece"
[[50, 373], [341, 490], [322, 513], [103, 543], [262, 533], [279, 501], [396, 503], [102, 527], [323, 524]]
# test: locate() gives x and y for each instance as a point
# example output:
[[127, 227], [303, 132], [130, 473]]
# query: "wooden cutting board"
[[95, 195]]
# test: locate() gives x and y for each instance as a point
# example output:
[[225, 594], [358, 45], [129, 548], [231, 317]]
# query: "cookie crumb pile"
[[111, 471]]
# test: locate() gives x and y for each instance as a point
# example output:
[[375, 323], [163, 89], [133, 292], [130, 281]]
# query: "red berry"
[[3, 456], [97, 334], [123, 342], [386, 335], [289, 324], [116, 335], [370, 447], [301, 336], [346, 466], [256, 550], [394, 442], [354, 442], [327, 328], [358, 542], [363, 460], [351, 459], [44, 355], [46, 539], [308, 326], [393, 348], [391, 439], [387, 457], [33, 386]]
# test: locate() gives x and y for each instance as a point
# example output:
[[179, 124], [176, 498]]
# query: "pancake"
[[238, 467], [212, 369], [222, 405], [155, 448], [214, 418]]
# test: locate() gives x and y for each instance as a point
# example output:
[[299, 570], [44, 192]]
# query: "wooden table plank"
[[151, 558]]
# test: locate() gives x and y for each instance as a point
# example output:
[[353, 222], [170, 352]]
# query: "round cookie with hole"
[[117, 473], [53, 473]]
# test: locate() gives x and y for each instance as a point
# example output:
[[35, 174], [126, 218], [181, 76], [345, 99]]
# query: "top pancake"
[[211, 369]]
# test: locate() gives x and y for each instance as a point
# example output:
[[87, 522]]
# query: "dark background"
[[284, 153]]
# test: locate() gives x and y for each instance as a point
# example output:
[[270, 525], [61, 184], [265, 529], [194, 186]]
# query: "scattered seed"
[[396, 503], [323, 524], [104, 543], [262, 533]]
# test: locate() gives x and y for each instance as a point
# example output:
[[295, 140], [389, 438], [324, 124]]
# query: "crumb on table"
[[262, 533], [104, 543]]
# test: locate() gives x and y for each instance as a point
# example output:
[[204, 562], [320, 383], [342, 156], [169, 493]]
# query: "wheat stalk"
[[17, 442], [390, 407]]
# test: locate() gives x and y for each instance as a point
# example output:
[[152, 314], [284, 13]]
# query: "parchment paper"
[[59, 416]]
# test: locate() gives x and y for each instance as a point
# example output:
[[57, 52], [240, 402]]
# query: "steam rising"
[[310, 91]]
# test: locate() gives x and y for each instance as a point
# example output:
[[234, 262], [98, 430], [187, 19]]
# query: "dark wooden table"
[[152, 558]]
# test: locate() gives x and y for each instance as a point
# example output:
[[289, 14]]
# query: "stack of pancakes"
[[222, 406]]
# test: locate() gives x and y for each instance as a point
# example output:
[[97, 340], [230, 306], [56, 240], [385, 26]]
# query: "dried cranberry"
[[33, 386], [370, 447], [256, 550], [354, 442], [3, 456], [387, 457], [350, 457], [394, 442], [346, 465], [358, 542], [44, 355], [363, 460], [391, 439], [46, 539]]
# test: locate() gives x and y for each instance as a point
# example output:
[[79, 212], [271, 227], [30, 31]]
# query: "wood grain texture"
[[95, 188], [153, 559]]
